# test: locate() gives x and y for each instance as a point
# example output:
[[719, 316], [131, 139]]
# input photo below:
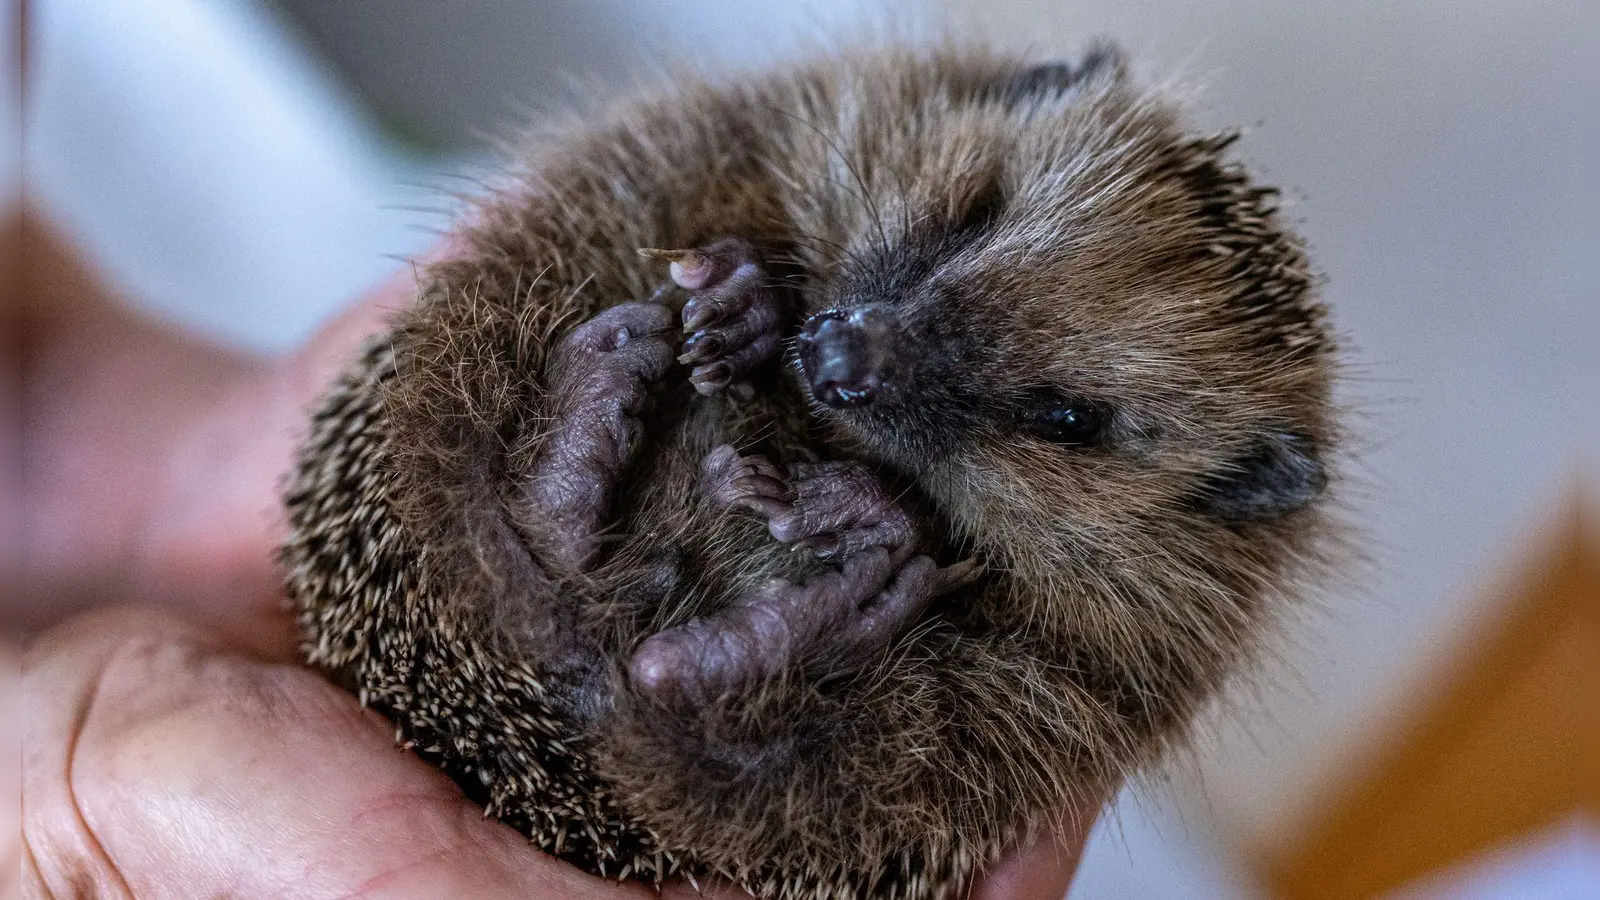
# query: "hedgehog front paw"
[[734, 316], [598, 380]]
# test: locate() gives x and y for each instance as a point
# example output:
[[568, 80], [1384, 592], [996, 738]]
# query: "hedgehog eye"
[[1074, 423]]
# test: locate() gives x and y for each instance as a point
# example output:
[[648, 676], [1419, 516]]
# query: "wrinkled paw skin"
[[734, 317], [834, 509], [599, 377], [837, 621]]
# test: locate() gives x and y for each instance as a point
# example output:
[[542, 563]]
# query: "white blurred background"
[[247, 168]]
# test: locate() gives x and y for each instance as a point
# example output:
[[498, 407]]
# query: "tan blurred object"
[[1494, 754]]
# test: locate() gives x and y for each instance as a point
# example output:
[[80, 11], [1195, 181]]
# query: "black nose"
[[848, 356]]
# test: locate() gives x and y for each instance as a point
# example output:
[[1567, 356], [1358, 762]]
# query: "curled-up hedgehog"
[[958, 445]]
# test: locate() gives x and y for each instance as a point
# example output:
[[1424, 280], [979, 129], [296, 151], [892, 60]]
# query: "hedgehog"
[[966, 431]]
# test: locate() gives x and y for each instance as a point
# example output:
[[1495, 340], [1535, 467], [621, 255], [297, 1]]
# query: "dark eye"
[[1074, 423]]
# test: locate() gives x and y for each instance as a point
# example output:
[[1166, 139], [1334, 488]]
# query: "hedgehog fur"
[[1038, 231]]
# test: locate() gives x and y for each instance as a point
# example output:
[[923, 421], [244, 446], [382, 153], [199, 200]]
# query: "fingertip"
[[1042, 869], [1033, 875]]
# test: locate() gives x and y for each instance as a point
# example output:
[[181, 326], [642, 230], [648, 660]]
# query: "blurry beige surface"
[[1495, 752], [1430, 152]]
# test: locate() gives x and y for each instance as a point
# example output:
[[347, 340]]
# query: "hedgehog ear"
[[1280, 475], [1103, 60]]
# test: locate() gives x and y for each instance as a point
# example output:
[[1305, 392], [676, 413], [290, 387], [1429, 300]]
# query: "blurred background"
[[247, 168]]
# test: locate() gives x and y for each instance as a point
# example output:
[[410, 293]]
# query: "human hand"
[[160, 762]]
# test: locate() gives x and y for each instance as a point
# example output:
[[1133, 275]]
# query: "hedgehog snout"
[[851, 357]]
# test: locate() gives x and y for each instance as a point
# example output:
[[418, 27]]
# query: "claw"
[[763, 466], [664, 254], [763, 485], [702, 347], [769, 507], [709, 379], [692, 272], [691, 269], [960, 574], [698, 315], [823, 546], [727, 286]]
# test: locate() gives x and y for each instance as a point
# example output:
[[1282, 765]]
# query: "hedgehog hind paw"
[[837, 621]]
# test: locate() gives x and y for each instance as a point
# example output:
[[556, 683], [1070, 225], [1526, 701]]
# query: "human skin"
[[174, 746]]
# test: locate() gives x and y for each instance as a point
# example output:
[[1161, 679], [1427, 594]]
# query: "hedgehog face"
[[1082, 332]]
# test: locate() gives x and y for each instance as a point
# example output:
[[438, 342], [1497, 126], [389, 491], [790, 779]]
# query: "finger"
[[1043, 869], [106, 392], [158, 765], [208, 548], [60, 675], [153, 458]]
